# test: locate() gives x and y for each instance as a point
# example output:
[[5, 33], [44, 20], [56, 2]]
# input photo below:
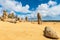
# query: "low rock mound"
[[12, 20], [48, 32]]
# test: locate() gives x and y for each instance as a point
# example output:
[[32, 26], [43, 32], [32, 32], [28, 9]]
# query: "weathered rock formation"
[[48, 32]]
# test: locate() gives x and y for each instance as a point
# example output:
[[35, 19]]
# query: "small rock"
[[48, 32]]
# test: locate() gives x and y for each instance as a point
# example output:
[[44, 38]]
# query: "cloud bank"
[[13, 5], [50, 9]]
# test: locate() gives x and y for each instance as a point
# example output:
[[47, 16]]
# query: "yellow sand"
[[26, 30]]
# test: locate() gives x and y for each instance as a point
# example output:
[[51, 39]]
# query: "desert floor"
[[26, 30]]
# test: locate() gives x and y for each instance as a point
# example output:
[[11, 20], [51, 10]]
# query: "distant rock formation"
[[11, 15], [4, 16], [48, 32], [26, 18]]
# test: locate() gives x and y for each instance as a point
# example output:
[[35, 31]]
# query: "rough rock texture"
[[48, 32]]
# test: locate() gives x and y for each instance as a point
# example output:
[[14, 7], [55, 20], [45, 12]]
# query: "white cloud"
[[52, 3], [43, 9], [14, 6], [46, 10]]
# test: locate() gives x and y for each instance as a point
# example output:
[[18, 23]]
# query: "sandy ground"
[[26, 30]]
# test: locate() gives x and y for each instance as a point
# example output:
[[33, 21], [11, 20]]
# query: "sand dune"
[[26, 30]]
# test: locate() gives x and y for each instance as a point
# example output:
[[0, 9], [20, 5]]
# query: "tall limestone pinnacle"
[[39, 18]]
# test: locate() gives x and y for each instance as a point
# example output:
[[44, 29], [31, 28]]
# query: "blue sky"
[[48, 9]]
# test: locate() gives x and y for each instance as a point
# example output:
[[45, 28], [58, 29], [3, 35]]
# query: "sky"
[[48, 9]]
